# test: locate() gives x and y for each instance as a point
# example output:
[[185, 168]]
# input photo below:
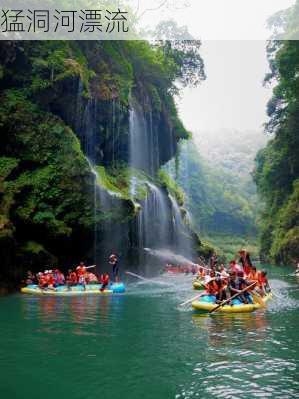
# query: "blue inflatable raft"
[[95, 289]]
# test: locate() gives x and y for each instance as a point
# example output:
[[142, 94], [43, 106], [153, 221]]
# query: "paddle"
[[234, 296], [190, 300], [258, 299]]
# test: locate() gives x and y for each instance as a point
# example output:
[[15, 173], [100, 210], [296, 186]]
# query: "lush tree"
[[277, 166]]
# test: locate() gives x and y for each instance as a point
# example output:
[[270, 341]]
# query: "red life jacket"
[[104, 278], [50, 279], [247, 268]]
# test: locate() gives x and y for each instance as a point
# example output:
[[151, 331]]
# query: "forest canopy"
[[277, 165]]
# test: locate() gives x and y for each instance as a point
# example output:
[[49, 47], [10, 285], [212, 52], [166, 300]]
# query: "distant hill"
[[215, 172], [231, 150]]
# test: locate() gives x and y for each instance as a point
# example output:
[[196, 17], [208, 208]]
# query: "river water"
[[142, 346]]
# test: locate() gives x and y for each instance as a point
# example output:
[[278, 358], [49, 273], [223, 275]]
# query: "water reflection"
[[85, 315], [222, 329]]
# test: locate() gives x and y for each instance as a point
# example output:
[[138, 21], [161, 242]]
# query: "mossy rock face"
[[53, 94], [166, 181], [45, 181], [118, 182]]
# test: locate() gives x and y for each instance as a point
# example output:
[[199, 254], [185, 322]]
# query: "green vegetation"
[[227, 246], [47, 203], [172, 187], [117, 181], [44, 180], [218, 202], [221, 199], [277, 166]]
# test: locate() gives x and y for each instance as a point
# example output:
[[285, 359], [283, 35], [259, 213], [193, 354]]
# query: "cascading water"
[[177, 221], [156, 208], [159, 221], [86, 125], [153, 219], [181, 237], [95, 206], [143, 141]]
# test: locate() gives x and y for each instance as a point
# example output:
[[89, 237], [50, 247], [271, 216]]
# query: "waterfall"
[[177, 222], [180, 232], [95, 206], [143, 141], [154, 219], [86, 126], [159, 222]]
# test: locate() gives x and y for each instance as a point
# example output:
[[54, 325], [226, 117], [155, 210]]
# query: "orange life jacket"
[[253, 276], [212, 288], [81, 270]]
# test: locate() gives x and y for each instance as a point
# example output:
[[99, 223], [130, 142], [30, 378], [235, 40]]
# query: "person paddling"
[[222, 293], [237, 285]]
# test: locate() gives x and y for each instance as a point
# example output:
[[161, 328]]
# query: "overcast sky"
[[213, 19], [233, 95]]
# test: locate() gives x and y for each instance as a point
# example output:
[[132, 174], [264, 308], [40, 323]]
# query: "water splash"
[[169, 256]]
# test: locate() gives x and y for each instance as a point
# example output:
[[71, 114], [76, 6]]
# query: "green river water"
[[142, 346]]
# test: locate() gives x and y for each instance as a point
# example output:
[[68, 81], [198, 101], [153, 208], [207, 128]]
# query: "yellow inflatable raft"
[[205, 306], [198, 284]]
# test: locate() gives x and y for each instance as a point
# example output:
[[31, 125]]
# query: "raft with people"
[[207, 303], [240, 288], [112, 288], [77, 282]]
